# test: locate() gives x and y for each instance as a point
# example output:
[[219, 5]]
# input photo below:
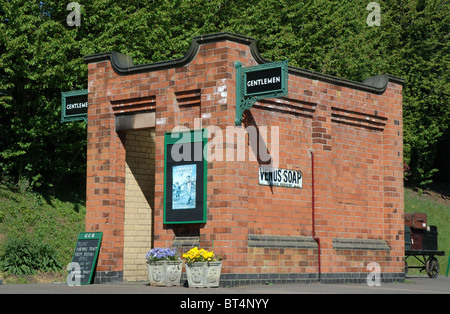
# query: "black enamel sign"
[[263, 81], [74, 105]]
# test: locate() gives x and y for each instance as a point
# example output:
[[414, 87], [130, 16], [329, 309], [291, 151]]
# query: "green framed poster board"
[[84, 258], [185, 177]]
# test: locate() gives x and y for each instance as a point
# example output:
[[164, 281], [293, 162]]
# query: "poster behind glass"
[[184, 186], [185, 178]]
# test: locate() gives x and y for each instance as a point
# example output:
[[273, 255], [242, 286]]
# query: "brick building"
[[344, 137]]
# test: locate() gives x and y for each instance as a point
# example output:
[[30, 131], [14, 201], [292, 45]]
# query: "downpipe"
[[313, 214]]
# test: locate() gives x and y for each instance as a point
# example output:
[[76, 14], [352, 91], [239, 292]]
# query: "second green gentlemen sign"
[[268, 80], [74, 105]]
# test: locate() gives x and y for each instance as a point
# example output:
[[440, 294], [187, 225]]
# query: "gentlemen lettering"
[[77, 105], [264, 81]]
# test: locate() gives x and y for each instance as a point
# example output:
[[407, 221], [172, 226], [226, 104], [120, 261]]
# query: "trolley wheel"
[[432, 267]]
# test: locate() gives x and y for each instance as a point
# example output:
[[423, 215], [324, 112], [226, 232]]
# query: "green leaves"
[[42, 56], [24, 256], [424, 63], [36, 47]]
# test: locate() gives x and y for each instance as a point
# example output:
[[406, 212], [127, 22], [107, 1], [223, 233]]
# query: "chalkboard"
[[84, 258]]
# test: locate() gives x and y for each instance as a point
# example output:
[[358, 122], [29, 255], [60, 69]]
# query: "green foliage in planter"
[[25, 256]]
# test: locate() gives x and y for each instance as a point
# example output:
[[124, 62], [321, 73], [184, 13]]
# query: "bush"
[[24, 256]]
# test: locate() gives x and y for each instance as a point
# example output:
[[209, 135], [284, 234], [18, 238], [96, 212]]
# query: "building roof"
[[123, 64]]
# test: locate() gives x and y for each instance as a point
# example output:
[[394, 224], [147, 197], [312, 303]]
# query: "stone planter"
[[156, 273], [164, 273], [204, 274], [173, 272], [212, 274]]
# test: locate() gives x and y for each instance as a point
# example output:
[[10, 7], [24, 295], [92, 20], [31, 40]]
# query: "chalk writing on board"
[[84, 258]]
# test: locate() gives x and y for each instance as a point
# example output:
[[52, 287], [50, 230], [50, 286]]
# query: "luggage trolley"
[[421, 242], [428, 260]]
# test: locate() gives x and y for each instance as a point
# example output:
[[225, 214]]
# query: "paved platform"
[[412, 285]]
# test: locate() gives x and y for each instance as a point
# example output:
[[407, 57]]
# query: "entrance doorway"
[[139, 202]]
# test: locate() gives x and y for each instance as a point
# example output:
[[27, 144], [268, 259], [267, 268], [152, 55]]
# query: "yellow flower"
[[196, 255]]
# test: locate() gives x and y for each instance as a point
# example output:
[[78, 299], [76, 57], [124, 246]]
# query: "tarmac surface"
[[412, 285]]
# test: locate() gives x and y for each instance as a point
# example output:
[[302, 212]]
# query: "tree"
[[38, 60], [423, 60], [40, 56]]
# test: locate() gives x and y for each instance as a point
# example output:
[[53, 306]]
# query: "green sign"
[[185, 177], [84, 258], [74, 105], [257, 82]]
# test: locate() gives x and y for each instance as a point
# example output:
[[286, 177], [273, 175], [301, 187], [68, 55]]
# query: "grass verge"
[[54, 220], [57, 220]]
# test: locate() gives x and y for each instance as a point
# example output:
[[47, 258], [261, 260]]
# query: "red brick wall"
[[354, 133], [105, 188]]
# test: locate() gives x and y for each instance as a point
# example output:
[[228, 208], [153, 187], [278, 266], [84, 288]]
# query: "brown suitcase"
[[416, 241], [409, 219], [419, 221]]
